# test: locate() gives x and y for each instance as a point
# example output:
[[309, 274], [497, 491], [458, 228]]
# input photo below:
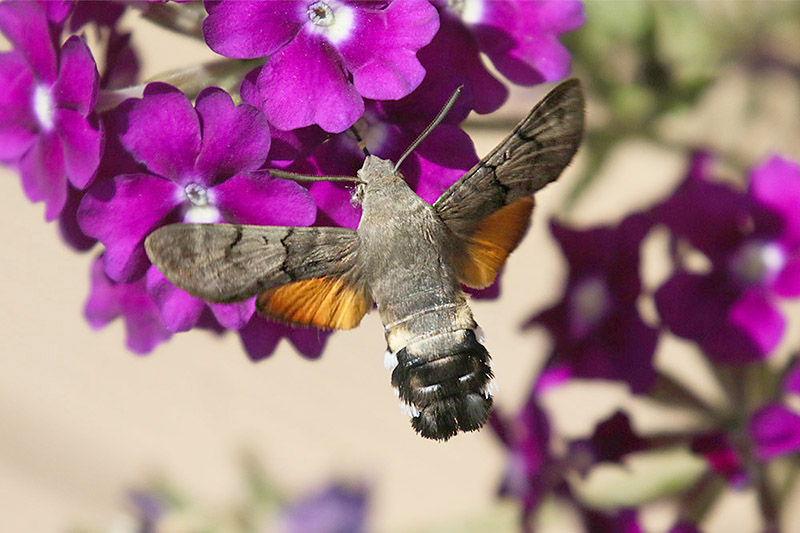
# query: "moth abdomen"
[[445, 380]]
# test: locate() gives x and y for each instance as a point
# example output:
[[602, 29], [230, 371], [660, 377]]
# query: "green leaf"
[[642, 478]]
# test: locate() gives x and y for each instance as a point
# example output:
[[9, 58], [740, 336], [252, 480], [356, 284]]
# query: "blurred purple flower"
[[753, 243], [201, 166], [109, 300], [596, 327], [47, 129], [315, 49], [337, 508]]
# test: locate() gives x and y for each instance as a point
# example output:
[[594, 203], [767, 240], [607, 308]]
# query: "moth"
[[407, 256]]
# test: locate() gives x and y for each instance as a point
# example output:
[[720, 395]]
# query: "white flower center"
[[470, 11], [321, 14], [199, 210], [758, 262], [334, 21], [43, 107], [589, 303]]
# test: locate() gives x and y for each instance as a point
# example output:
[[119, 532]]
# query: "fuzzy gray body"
[[409, 257], [442, 370]]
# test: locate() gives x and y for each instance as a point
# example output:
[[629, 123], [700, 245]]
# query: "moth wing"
[[313, 271], [489, 208]]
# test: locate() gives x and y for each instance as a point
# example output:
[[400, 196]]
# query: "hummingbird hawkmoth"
[[407, 256]]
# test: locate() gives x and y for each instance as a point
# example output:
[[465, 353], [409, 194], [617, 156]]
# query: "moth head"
[[375, 171]]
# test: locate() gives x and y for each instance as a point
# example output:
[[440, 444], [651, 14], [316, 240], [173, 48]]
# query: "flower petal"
[[304, 83], [234, 315], [18, 125], [787, 284], [235, 138], [698, 308], [78, 80], [382, 56], [759, 318], [179, 309], [776, 184], [164, 133], [108, 300], [42, 171], [260, 337], [775, 431], [120, 213], [260, 199], [82, 143], [25, 25], [249, 29], [68, 223]]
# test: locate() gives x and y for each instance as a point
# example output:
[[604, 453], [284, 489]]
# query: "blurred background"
[[84, 422]]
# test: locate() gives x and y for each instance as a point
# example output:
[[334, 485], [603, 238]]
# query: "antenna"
[[435, 122], [284, 175]]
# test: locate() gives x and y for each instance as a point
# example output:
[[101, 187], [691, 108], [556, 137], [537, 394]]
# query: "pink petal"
[[78, 80], [305, 83], [43, 179], [235, 138], [82, 141], [259, 199], [164, 133]]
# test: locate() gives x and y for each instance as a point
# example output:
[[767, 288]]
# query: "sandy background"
[[82, 420]]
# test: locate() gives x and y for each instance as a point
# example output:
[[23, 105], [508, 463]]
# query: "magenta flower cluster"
[[112, 169]]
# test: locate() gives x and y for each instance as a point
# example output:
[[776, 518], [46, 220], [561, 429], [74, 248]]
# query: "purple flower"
[[596, 327], [47, 129], [753, 243], [315, 48], [200, 164], [721, 456], [109, 300], [519, 36], [336, 508]]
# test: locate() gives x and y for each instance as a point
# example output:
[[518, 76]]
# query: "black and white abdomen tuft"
[[445, 380]]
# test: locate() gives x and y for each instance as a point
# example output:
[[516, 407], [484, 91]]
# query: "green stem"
[[186, 19]]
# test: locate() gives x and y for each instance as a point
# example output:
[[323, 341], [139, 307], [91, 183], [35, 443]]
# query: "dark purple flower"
[[109, 300], [47, 129], [315, 49], [337, 508], [201, 165], [596, 327], [260, 337], [753, 242]]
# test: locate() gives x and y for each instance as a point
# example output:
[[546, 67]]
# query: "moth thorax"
[[445, 379]]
